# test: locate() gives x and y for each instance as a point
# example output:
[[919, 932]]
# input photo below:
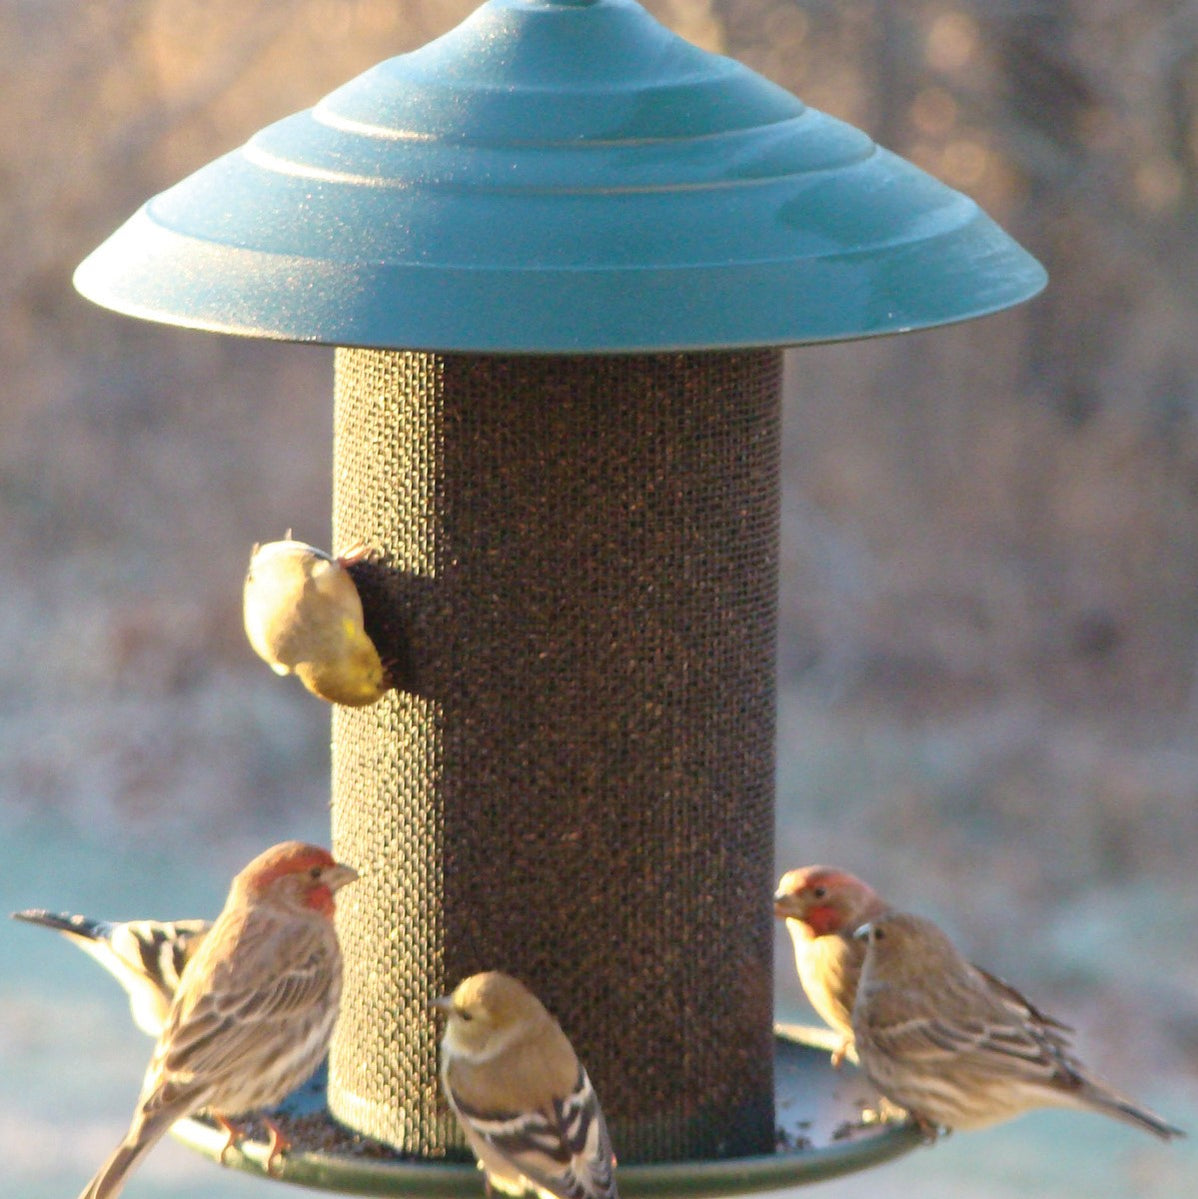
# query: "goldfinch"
[[525, 1103], [303, 616]]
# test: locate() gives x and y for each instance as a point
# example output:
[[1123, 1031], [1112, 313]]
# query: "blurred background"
[[989, 639]]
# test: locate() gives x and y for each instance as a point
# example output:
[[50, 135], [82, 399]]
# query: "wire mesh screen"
[[575, 783]]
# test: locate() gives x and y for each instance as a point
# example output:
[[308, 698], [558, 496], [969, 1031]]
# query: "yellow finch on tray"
[[146, 957], [525, 1103], [303, 616], [254, 1010], [959, 1048], [823, 906]]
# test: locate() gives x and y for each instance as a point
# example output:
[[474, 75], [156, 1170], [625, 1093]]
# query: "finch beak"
[[443, 1003], [861, 933], [339, 875]]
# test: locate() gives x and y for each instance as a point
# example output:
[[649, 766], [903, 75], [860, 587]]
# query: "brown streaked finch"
[[523, 1100], [146, 957], [303, 616], [958, 1048], [254, 1011], [823, 906]]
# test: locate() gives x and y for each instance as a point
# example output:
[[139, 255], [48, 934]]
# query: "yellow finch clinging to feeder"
[[303, 616], [525, 1103]]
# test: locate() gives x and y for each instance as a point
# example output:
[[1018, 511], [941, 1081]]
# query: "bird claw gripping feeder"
[[559, 249]]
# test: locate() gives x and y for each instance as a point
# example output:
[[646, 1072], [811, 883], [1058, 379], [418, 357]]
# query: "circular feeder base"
[[821, 1134]]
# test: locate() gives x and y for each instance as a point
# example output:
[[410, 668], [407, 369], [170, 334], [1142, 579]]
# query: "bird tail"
[[81, 927], [146, 957], [1123, 1109], [144, 1134]]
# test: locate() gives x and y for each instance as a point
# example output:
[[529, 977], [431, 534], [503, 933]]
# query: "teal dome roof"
[[559, 176]]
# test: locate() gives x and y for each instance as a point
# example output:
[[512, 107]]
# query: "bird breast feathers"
[[247, 972], [520, 1075]]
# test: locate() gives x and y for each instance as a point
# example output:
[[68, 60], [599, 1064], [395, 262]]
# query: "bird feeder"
[[559, 250]]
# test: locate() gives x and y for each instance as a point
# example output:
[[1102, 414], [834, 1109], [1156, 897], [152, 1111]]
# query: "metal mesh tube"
[[576, 784]]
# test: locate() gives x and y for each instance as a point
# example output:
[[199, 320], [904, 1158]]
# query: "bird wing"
[[147, 957], [988, 1032], [564, 1149], [1023, 1007], [266, 976]]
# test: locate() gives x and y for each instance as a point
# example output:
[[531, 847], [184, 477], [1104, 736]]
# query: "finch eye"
[[819, 892], [464, 1015], [314, 873], [879, 934]]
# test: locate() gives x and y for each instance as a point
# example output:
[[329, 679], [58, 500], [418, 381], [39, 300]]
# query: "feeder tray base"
[[821, 1134]]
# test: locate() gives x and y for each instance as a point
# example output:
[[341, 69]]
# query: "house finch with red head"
[[146, 957], [960, 1049], [255, 1006], [523, 1100], [303, 616], [823, 906]]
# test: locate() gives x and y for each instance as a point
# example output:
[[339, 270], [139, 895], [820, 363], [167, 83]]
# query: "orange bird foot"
[[279, 1144], [233, 1134]]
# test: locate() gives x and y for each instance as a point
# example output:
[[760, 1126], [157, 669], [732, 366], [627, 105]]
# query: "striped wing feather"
[[564, 1151]]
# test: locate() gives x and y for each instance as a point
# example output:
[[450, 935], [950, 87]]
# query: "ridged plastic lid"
[[559, 176]]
